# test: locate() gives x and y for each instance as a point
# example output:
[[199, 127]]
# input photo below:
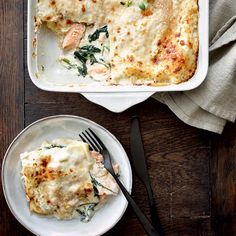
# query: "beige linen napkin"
[[212, 104]]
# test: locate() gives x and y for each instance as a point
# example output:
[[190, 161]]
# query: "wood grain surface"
[[193, 172]]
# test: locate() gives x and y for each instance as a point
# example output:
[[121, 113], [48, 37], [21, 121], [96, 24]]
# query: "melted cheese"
[[57, 178], [154, 46]]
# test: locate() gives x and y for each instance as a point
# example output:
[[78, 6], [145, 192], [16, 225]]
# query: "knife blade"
[[139, 164]]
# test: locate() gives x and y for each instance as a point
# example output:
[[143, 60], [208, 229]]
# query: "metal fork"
[[88, 136]]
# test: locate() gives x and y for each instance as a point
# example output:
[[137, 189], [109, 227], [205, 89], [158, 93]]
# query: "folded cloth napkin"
[[213, 103]]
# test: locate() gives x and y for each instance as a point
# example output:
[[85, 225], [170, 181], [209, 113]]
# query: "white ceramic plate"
[[48, 129], [116, 98]]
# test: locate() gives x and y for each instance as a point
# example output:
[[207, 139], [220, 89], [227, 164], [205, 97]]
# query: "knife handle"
[[141, 171], [155, 217]]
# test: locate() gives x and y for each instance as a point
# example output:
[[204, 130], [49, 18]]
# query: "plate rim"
[[130, 182]]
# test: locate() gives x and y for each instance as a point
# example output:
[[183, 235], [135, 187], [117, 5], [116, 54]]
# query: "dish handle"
[[117, 102]]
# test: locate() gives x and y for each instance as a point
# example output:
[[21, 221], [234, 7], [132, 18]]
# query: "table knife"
[[139, 164]]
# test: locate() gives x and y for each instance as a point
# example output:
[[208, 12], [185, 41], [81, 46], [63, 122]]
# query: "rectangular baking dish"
[[47, 75]]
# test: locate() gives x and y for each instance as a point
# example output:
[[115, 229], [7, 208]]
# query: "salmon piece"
[[103, 197], [99, 72], [102, 37], [116, 168], [97, 156], [109, 182], [73, 36]]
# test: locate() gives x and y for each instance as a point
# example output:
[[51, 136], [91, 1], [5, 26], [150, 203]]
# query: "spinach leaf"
[[105, 48], [92, 206], [96, 34], [87, 211], [70, 65], [95, 190], [86, 53], [89, 203], [93, 60], [128, 3], [54, 146], [81, 56], [89, 49], [96, 183], [83, 70], [143, 5]]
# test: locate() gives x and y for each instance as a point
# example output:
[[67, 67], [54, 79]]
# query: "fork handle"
[[148, 227]]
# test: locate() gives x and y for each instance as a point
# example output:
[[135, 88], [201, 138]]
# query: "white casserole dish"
[[116, 98]]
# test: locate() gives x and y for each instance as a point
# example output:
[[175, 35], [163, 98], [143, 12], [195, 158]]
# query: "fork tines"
[[88, 136]]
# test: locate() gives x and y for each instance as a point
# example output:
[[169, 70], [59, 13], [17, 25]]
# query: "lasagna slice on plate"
[[64, 179]]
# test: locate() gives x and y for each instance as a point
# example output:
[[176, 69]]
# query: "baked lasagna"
[[64, 179], [137, 42]]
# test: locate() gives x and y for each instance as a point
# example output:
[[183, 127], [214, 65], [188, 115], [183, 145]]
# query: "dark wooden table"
[[193, 172]]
